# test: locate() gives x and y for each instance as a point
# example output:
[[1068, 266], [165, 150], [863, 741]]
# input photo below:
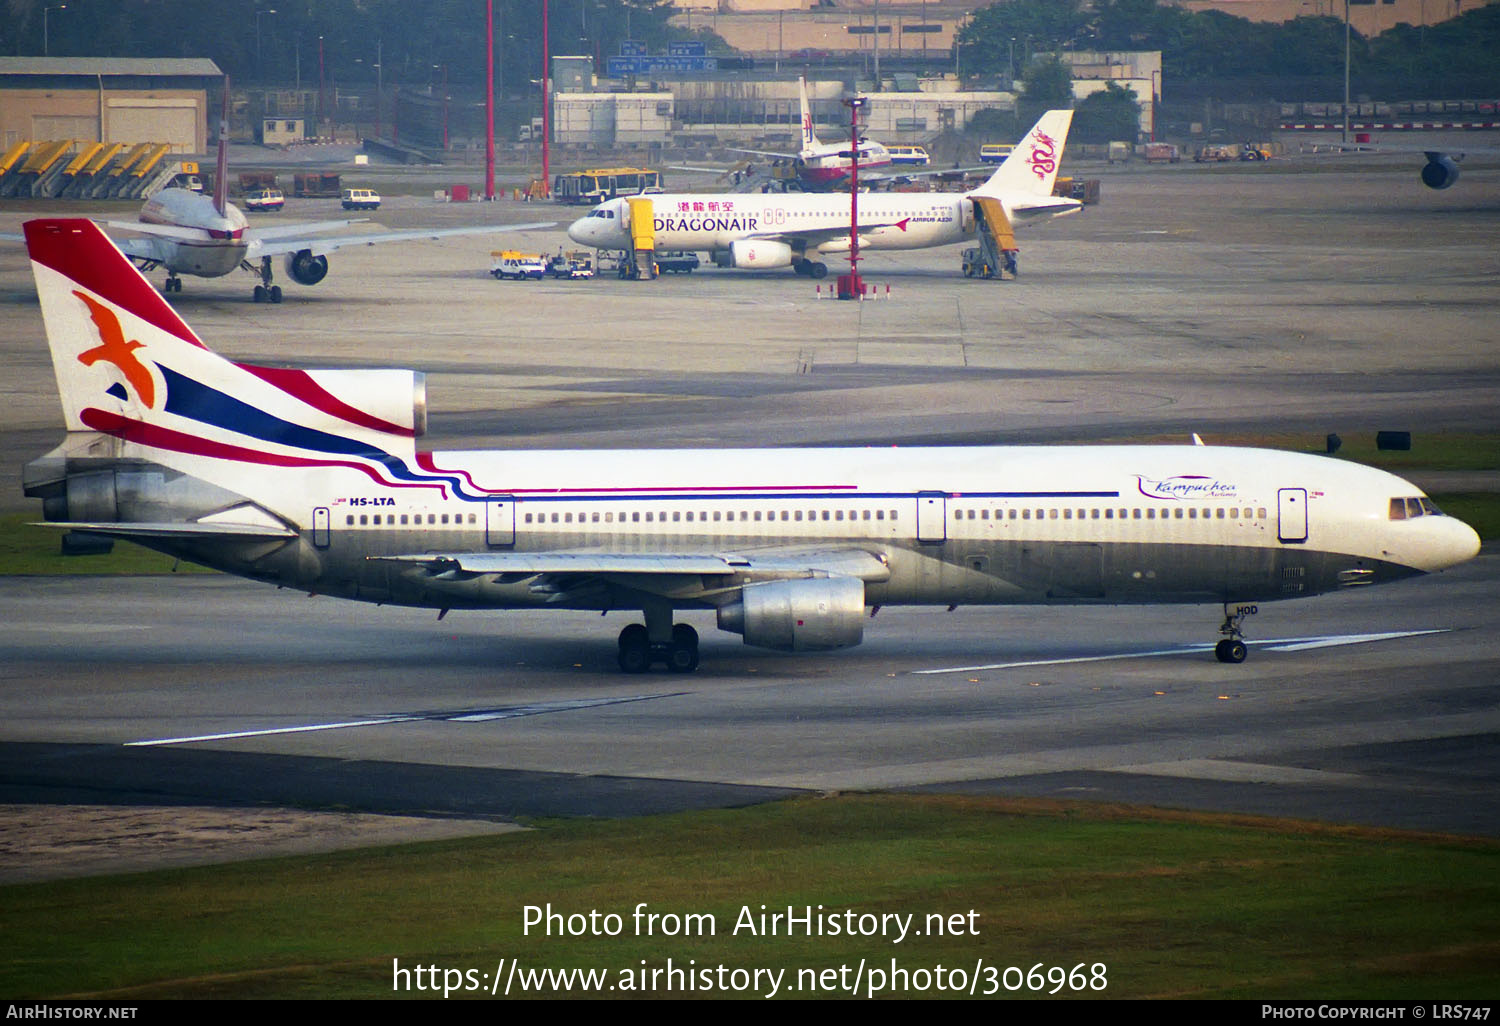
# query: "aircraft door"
[[321, 532], [500, 521], [932, 517], [1291, 515]]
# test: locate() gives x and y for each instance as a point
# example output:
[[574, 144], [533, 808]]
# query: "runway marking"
[[1271, 644], [462, 716]]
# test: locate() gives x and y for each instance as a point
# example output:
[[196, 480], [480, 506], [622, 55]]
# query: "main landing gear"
[[811, 268], [265, 292], [638, 652], [172, 284], [1232, 649]]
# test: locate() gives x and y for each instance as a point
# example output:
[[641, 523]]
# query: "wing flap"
[[754, 565]]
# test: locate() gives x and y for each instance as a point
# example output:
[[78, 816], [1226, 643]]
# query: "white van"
[[911, 156], [360, 199]]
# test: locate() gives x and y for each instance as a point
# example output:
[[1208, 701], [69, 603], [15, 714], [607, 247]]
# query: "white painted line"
[[1272, 644], [268, 731], [461, 716], [1346, 639]]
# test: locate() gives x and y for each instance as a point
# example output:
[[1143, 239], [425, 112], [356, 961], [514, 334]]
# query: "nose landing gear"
[[1232, 649]]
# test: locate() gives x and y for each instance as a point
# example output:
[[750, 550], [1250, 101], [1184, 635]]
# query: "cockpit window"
[[1413, 507]]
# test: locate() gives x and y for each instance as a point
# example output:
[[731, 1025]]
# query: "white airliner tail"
[[810, 142], [129, 368], [1032, 166]]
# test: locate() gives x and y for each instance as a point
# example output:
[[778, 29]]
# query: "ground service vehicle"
[[911, 156], [264, 199], [512, 264], [571, 266], [677, 261], [360, 199], [586, 188], [995, 153]]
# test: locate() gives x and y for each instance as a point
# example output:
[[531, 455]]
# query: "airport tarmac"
[[1226, 301]]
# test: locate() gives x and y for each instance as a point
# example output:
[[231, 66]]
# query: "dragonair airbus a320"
[[312, 480], [792, 230]]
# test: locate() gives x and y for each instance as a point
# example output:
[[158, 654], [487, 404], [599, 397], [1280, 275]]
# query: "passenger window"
[[350, 520], [363, 520]]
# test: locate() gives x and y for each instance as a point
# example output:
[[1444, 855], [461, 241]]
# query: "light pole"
[[850, 285], [260, 68], [1344, 137], [1155, 99], [46, 44]]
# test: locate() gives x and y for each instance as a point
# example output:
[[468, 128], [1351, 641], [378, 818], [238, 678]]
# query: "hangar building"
[[107, 99]]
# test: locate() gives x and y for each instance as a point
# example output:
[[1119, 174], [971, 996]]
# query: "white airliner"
[[789, 230], [313, 480], [190, 233], [824, 166]]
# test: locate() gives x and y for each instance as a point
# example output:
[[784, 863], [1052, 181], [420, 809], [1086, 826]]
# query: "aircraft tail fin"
[[129, 368], [809, 137], [1031, 168], [221, 165]]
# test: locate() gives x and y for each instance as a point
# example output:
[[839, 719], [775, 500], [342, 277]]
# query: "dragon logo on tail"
[[1043, 156]]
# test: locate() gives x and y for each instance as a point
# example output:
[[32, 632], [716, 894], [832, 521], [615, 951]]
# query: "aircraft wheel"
[[260, 293], [682, 653], [818, 270], [635, 649], [1230, 650], [799, 266], [275, 293]]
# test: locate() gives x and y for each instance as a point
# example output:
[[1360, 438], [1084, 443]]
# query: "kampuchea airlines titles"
[[312, 479]]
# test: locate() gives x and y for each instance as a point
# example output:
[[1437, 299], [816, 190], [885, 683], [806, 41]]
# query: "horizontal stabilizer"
[[170, 529]]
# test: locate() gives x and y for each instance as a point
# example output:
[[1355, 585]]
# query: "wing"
[[683, 575], [176, 233], [764, 153], [269, 247]]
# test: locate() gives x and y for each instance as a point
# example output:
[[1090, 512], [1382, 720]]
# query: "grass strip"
[[1174, 904]]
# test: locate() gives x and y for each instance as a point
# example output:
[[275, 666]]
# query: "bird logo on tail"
[[113, 348]]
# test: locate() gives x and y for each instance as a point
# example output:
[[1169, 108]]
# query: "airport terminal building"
[[107, 99]]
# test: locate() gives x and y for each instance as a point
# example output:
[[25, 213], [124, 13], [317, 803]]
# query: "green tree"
[[1020, 27], [1046, 85], [1110, 114]]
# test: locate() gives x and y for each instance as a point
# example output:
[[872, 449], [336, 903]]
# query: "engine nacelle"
[[1441, 171], [305, 269], [391, 401], [759, 254], [805, 615]]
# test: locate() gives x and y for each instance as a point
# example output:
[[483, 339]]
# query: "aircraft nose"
[[580, 231], [1447, 542]]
